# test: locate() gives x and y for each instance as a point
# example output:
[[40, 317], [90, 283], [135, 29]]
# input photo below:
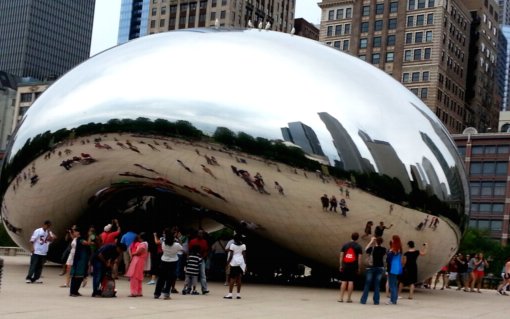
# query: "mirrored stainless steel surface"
[[200, 113]]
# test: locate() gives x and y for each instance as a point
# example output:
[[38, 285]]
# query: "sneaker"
[[174, 291], [205, 292], [28, 281], [195, 293], [238, 297], [229, 296], [38, 281], [156, 297], [151, 282]]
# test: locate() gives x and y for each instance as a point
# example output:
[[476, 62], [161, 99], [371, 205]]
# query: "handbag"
[[369, 259]]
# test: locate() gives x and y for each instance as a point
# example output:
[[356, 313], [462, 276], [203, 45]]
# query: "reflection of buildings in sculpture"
[[418, 176], [387, 160], [350, 156], [435, 184], [304, 136]]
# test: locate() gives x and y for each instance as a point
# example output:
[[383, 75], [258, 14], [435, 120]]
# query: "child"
[[192, 271]]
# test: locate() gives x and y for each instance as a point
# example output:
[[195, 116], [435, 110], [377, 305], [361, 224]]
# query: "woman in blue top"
[[394, 260]]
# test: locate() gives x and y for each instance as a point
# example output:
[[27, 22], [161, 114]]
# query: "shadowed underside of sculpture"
[[251, 133]]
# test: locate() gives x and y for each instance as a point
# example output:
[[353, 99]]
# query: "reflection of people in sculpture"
[[234, 170], [343, 207], [333, 203], [246, 177], [185, 167], [279, 188], [379, 230], [259, 183], [368, 229], [325, 202], [153, 147], [210, 191], [207, 170]]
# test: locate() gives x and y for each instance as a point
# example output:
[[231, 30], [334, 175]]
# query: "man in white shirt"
[[41, 239]]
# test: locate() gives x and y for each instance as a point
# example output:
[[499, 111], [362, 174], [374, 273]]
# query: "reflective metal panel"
[[251, 126]]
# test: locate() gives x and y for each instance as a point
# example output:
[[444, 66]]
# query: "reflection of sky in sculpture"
[[164, 78]]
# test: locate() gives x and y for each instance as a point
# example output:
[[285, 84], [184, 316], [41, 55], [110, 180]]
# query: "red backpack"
[[349, 256]]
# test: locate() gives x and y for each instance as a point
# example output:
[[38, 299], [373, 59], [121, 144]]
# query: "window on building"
[[415, 91], [496, 225], [379, 8], [417, 54], [345, 45], [425, 76], [474, 188], [153, 23], [424, 93], [347, 28], [409, 37], [163, 10], [365, 11], [475, 168], [490, 149], [421, 4], [390, 40], [432, 3], [419, 19], [213, 16], [376, 58], [499, 188], [411, 4], [430, 18], [410, 21], [376, 42], [364, 27], [161, 23], [348, 13], [393, 7], [408, 55], [501, 168], [336, 44], [338, 29], [329, 31], [426, 53], [26, 97], [378, 26], [390, 56], [362, 57], [331, 14], [415, 77], [339, 14], [154, 11], [477, 150], [223, 14], [405, 77], [418, 37], [503, 149], [363, 43], [392, 24], [428, 36]]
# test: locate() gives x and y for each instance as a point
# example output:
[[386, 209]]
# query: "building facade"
[[44, 39], [424, 44], [166, 15], [134, 16], [8, 88], [487, 162], [27, 92], [305, 29]]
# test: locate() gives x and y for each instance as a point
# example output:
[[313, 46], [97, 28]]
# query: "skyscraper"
[[44, 38], [133, 20]]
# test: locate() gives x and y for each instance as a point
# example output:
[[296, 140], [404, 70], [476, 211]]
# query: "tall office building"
[[133, 20], [44, 38], [504, 11], [155, 16], [425, 44]]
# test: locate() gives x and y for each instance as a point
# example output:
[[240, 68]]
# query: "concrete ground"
[[48, 300]]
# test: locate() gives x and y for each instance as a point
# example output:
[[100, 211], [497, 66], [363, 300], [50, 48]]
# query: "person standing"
[[167, 267], [127, 239], [109, 236], [137, 265], [410, 267], [325, 202], [379, 230], [394, 261], [80, 264], [349, 266], [505, 274], [480, 263], [461, 270], [204, 252], [40, 240], [237, 262], [375, 270]]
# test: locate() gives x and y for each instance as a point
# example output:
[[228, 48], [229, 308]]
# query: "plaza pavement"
[[48, 300]]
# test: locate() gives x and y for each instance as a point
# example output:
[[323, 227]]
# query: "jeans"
[[203, 279], [393, 283], [165, 278], [372, 277], [36, 266], [97, 275]]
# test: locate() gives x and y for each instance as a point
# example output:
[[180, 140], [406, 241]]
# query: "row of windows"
[[379, 25], [458, 35], [417, 54], [418, 37], [490, 149], [375, 58], [450, 103], [340, 14], [415, 76], [339, 30], [452, 65], [492, 225], [489, 188], [420, 92], [419, 20], [458, 18], [488, 208], [379, 8], [448, 120], [420, 4], [488, 168], [338, 45]]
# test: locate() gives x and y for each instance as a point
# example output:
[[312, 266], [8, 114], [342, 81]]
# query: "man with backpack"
[[349, 266]]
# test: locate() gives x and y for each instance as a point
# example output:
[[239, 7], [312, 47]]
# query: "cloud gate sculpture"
[[237, 127]]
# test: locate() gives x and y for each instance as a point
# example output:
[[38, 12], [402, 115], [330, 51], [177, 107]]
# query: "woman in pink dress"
[[136, 267]]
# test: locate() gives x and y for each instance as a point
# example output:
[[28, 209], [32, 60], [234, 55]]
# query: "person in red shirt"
[[109, 236], [204, 252]]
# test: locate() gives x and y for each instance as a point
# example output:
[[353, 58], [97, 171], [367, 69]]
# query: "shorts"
[[478, 273], [235, 271], [349, 273]]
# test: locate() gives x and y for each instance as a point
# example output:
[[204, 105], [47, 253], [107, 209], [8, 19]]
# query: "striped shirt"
[[193, 265]]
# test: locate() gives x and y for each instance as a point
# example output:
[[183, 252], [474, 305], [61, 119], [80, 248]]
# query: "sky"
[[106, 21]]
